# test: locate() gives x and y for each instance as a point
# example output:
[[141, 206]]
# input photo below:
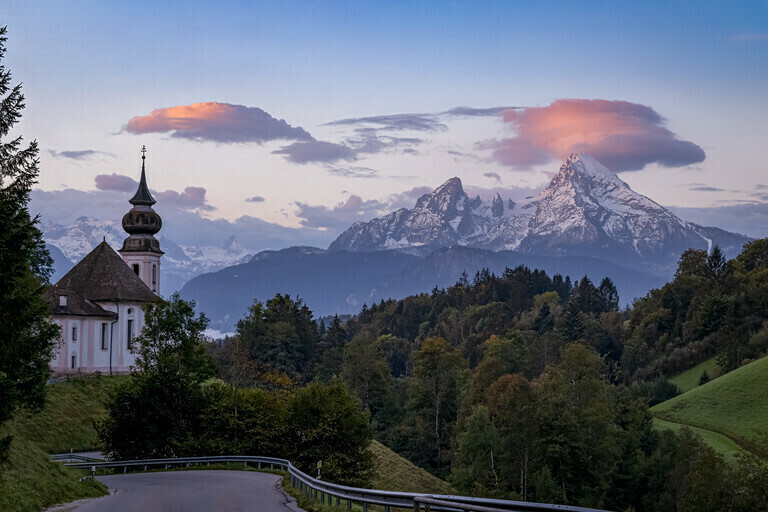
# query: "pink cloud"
[[192, 198], [623, 136], [116, 182], [217, 122]]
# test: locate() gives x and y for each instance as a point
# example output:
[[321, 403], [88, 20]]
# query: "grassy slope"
[[395, 473], [71, 408], [720, 443], [29, 480], [734, 405], [689, 379]]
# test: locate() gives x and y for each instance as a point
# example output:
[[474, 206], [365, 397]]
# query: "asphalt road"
[[192, 491]]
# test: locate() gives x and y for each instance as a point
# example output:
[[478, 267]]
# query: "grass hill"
[[734, 406], [395, 473], [29, 480], [689, 379]]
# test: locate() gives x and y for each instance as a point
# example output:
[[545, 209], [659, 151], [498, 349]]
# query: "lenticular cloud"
[[217, 122], [623, 136]]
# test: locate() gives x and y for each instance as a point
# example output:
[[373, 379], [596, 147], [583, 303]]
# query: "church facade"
[[98, 303]]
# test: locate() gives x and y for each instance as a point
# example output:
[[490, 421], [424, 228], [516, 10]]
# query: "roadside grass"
[[72, 407], [29, 481], [396, 473], [689, 379], [734, 405]]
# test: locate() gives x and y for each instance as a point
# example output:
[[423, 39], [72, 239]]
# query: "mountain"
[[69, 244], [329, 282], [586, 210], [342, 281]]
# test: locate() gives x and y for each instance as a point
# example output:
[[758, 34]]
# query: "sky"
[[284, 122]]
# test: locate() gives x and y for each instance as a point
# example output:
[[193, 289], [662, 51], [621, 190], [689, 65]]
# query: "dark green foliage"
[[280, 335], [572, 323], [433, 405], [170, 407], [27, 336], [704, 378], [324, 423]]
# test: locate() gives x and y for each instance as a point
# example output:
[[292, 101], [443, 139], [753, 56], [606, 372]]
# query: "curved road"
[[192, 491]]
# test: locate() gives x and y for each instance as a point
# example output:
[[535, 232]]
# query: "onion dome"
[[142, 222]]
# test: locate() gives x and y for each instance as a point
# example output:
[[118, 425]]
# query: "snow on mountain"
[[179, 264], [586, 210]]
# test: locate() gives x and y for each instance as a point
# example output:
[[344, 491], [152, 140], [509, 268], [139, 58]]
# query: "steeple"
[[142, 195], [141, 250]]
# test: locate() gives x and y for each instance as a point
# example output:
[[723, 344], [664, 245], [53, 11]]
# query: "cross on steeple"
[[143, 152]]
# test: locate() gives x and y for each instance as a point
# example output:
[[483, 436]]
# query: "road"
[[192, 491]]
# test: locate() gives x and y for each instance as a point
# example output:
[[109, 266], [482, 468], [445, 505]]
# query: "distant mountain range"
[[586, 210], [587, 221], [69, 244]]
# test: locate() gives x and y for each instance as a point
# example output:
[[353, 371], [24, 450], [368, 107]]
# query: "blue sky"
[[90, 67]]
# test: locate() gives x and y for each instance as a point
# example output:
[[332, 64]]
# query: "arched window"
[[136, 268], [154, 277], [74, 333], [74, 360]]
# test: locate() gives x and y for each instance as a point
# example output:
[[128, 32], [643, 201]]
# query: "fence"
[[332, 494]]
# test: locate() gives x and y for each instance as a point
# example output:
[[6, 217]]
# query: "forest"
[[521, 386]]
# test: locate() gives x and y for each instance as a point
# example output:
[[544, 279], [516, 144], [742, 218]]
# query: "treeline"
[[712, 307], [519, 386]]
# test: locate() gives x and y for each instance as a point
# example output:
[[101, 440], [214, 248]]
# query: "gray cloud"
[[83, 154], [748, 217], [316, 151], [255, 199], [341, 216], [365, 141], [706, 189], [217, 122], [428, 122], [476, 112], [116, 182], [415, 122], [191, 198], [353, 172], [493, 175]]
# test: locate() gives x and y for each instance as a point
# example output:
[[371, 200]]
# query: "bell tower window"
[[136, 268]]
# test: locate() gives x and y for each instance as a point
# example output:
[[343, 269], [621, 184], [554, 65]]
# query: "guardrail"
[[74, 456], [327, 492]]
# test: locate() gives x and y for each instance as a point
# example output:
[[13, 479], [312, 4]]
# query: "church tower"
[[141, 250]]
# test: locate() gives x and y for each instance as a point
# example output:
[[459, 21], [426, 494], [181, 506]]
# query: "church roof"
[[76, 304], [103, 276]]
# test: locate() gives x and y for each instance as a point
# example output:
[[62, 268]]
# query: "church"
[[98, 304]]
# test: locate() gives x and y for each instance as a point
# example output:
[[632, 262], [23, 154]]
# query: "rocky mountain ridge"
[[586, 210]]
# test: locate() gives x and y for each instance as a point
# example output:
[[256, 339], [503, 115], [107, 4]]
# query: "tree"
[[609, 296], [573, 325], [27, 336], [434, 400], [158, 412]]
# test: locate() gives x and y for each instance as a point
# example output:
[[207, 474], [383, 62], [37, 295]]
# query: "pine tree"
[[609, 296], [26, 333], [573, 325]]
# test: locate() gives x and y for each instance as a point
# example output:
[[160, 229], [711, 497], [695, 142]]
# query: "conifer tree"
[[26, 333]]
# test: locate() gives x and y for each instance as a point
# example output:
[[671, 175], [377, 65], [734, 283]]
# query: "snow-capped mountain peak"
[[585, 210]]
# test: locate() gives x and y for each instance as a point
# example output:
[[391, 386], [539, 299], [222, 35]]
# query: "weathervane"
[[143, 152]]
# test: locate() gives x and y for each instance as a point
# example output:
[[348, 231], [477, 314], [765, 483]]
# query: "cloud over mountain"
[[623, 136], [217, 122]]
